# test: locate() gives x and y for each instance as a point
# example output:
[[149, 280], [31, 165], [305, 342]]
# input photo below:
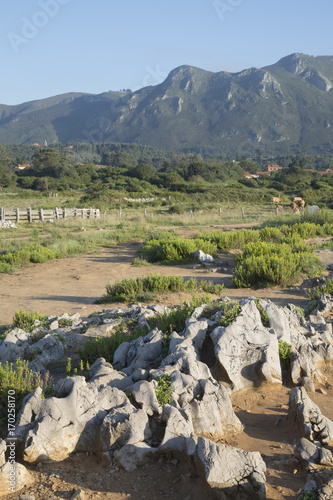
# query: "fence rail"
[[30, 215]]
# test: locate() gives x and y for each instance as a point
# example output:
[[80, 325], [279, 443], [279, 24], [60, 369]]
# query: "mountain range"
[[279, 108]]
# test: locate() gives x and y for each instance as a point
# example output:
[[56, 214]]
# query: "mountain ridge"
[[282, 107]]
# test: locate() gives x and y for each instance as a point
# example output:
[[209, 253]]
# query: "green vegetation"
[[171, 249], [315, 293], [284, 350], [163, 390], [263, 314], [17, 380], [268, 264], [132, 289], [230, 312], [18, 258], [310, 495], [26, 320]]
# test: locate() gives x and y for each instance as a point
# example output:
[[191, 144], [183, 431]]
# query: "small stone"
[[174, 461]]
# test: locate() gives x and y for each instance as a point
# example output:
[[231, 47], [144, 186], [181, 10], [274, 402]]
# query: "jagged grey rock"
[[47, 349], [14, 345], [230, 473], [19, 478], [50, 429], [285, 323], [246, 351], [178, 428], [211, 411], [312, 454], [144, 394], [326, 491], [196, 331], [123, 425], [307, 415]]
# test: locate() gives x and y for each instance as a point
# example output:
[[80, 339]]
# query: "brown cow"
[[295, 207], [276, 200]]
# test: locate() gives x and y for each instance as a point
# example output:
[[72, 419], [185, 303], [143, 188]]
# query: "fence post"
[[90, 213], [41, 215], [2, 214], [277, 210], [243, 212], [57, 213], [191, 213], [119, 213], [145, 214], [220, 211], [29, 214], [17, 215]]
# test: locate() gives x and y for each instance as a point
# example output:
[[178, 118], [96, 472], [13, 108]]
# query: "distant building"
[[247, 175], [19, 168], [273, 168]]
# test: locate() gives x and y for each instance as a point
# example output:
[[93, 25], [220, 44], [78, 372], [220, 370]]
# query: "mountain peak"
[[295, 63]]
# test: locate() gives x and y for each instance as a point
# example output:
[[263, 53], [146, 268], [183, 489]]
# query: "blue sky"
[[50, 47]]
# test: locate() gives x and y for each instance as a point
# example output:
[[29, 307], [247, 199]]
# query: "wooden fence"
[[30, 215]]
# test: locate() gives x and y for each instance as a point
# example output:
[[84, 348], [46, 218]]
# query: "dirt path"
[[73, 284]]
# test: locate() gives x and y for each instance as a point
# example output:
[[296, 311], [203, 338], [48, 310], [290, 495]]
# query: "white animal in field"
[[313, 209]]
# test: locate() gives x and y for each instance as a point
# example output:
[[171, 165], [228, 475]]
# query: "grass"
[[133, 289]]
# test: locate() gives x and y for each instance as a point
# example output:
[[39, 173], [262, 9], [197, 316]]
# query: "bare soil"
[[72, 285]]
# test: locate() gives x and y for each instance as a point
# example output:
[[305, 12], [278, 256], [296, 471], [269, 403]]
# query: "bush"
[[33, 253], [226, 240], [131, 289], [269, 264], [170, 249], [26, 320], [19, 379]]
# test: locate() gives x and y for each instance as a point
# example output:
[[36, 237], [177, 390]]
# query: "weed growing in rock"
[[310, 495], [26, 320], [263, 314], [163, 390], [230, 312], [284, 350]]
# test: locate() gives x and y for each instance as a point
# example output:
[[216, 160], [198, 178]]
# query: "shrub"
[[163, 390], [173, 249], [133, 289], [266, 264], [138, 262], [33, 253], [225, 240], [26, 320], [19, 379]]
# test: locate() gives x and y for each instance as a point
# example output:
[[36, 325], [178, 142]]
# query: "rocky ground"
[[72, 285]]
